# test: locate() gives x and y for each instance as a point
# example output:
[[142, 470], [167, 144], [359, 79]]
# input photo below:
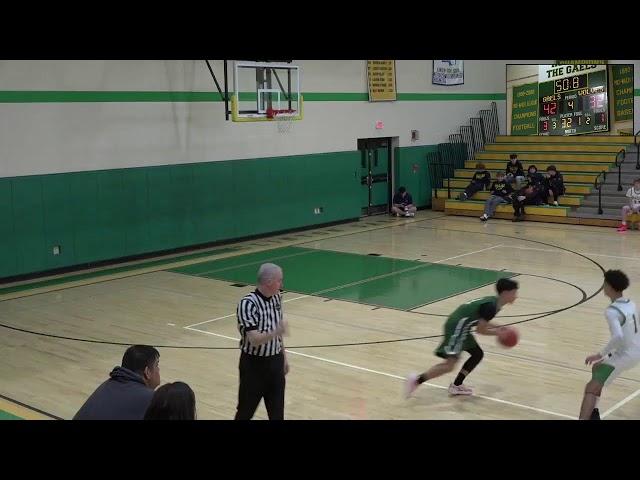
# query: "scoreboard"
[[572, 100]]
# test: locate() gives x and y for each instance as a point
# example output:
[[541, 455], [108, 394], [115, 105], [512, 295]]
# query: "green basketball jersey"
[[470, 311], [457, 328]]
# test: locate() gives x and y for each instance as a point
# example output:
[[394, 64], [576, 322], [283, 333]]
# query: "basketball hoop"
[[283, 118]]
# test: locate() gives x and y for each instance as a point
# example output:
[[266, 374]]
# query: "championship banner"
[[448, 72]]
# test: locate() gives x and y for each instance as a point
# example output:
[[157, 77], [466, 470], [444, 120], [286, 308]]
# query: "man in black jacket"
[[527, 195], [554, 184], [480, 181], [514, 170], [536, 179], [128, 392], [533, 177]]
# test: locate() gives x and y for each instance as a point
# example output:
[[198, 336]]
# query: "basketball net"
[[283, 119]]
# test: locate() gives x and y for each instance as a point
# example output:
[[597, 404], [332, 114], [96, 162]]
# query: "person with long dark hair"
[[172, 401]]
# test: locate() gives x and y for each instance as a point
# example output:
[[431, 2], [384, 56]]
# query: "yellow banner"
[[381, 76]]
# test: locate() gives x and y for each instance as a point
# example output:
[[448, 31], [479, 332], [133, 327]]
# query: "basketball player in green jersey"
[[458, 338]]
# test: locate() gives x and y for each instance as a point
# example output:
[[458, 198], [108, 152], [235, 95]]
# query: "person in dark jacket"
[[536, 180], [126, 395], [554, 184], [529, 194], [500, 193], [402, 205], [533, 177], [514, 170], [480, 181]]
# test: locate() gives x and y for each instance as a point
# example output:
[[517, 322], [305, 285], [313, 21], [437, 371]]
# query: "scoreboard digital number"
[[574, 105]]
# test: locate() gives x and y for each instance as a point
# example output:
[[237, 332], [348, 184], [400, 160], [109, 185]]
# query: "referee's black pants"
[[261, 377]]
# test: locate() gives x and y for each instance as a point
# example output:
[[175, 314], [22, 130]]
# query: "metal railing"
[[601, 179], [482, 130], [458, 139], [619, 165], [597, 184], [490, 123], [635, 142], [455, 138], [453, 153], [443, 163], [467, 138], [478, 133], [462, 147], [439, 171]]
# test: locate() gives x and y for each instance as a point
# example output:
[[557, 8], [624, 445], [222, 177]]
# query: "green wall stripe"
[[57, 96], [335, 97], [89, 96]]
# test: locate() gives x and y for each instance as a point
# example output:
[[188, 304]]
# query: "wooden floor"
[[560, 306]]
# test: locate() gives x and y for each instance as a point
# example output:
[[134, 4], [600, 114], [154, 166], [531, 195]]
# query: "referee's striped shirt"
[[257, 312]]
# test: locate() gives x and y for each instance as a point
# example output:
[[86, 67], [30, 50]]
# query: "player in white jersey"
[[623, 350], [633, 194]]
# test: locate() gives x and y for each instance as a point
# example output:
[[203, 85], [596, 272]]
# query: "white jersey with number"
[[634, 196], [624, 324]]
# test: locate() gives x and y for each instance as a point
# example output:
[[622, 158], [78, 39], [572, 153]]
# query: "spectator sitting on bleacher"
[[500, 193], [537, 180], [529, 194], [633, 194], [554, 184], [533, 177], [480, 181], [514, 170]]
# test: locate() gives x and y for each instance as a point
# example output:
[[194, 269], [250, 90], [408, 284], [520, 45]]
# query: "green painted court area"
[[372, 280], [7, 416]]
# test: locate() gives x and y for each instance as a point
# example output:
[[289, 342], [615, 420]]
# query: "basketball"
[[508, 337]]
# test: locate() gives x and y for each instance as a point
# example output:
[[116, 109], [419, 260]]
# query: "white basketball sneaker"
[[459, 390], [410, 384]]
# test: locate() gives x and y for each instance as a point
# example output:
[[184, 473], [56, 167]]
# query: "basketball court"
[[365, 301]]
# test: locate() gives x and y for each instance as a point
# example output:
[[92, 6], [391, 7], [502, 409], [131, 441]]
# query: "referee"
[[263, 363]]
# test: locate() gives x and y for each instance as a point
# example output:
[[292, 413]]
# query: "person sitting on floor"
[[480, 181], [403, 204]]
